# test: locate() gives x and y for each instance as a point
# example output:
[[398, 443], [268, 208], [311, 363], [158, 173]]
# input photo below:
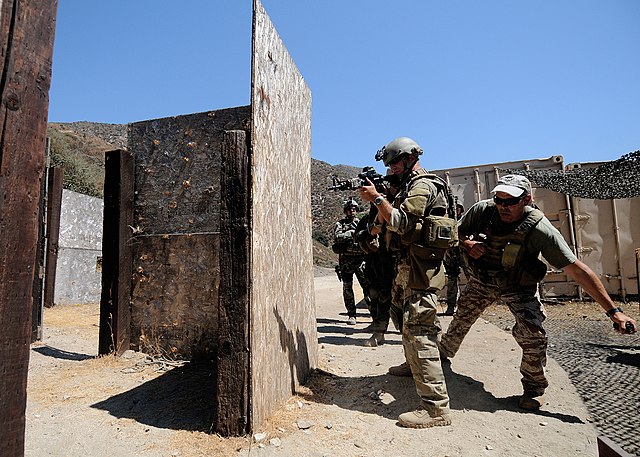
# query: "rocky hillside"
[[79, 147]]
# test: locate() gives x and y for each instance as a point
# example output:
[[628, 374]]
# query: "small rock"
[[488, 447], [328, 425], [544, 424], [300, 404], [259, 437], [275, 442], [304, 424]]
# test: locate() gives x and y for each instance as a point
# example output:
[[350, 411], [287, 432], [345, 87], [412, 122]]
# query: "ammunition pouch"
[[510, 255], [427, 271], [439, 232], [341, 248]]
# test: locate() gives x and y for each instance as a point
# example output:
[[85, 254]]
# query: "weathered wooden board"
[[49, 229], [54, 205], [176, 230], [232, 388], [282, 326], [115, 314], [26, 45]]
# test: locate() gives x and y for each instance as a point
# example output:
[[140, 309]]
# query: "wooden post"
[[607, 448], [38, 272], [115, 315], [47, 255], [26, 45], [232, 415], [54, 207]]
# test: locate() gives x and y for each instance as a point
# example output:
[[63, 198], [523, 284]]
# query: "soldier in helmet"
[[423, 203], [350, 256]]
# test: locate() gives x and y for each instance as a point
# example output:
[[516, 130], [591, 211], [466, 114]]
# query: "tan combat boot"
[[530, 402], [420, 418], [400, 370]]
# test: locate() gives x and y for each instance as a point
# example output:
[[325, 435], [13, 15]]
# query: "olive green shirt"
[[543, 239]]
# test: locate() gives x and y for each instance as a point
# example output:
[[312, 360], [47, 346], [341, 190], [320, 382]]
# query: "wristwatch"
[[378, 200], [612, 311]]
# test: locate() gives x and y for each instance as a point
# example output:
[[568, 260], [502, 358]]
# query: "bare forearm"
[[587, 279]]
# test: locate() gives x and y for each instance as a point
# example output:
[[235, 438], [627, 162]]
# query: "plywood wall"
[[283, 327]]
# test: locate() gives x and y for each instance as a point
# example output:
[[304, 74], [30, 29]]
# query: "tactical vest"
[[506, 264], [349, 246], [436, 228]]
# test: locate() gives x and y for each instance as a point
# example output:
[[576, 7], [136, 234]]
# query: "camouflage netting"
[[616, 179]]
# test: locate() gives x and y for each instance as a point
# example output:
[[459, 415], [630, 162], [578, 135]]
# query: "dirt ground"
[[80, 405]]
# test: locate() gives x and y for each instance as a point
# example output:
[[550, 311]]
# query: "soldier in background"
[[379, 270], [350, 257]]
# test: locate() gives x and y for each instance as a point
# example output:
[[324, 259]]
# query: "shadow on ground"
[[389, 396], [49, 351], [181, 399]]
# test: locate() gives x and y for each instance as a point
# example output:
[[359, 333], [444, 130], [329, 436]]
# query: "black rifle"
[[381, 182]]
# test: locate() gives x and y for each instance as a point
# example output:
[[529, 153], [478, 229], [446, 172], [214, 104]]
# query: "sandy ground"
[[79, 405]]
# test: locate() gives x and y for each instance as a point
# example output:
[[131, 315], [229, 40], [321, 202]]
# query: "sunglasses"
[[506, 201], [395, 161]]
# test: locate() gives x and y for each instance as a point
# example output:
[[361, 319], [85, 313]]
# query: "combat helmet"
[[350, 203], [398, 147]]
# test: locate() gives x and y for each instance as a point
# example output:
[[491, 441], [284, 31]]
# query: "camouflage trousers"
[[348, 267], [527, 331], [420, 330]]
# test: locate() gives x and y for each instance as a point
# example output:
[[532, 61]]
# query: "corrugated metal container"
[[607, 233]]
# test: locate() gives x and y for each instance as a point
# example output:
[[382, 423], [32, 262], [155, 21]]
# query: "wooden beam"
[[38, 272], [115, 313], [232, 393], [607, 448], [26, 45], [54, 208]]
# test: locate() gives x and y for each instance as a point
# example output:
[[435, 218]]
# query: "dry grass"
[[86, 316], [282, 423]]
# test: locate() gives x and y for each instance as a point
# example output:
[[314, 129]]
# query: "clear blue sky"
[[472, 81]]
